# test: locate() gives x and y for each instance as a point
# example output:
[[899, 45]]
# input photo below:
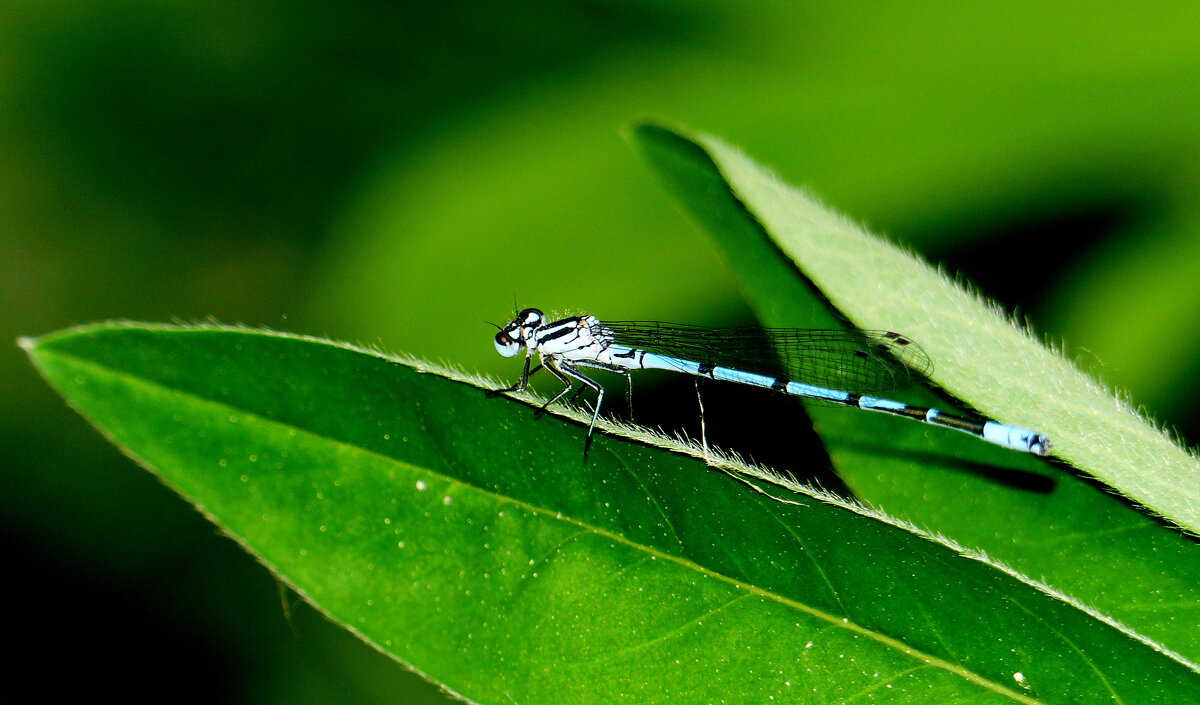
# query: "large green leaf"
[[1036, 517], [480, 547]]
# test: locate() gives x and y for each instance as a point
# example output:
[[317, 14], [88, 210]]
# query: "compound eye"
[[531, 317], [505, 345]]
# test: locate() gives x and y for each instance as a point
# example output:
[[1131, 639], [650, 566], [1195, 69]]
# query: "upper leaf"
[[980, 355]]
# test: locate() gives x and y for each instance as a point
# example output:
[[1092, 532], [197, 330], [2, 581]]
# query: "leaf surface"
[[479, 547]]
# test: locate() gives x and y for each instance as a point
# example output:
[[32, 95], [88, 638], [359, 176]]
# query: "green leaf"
[[478, 546], [1032, 516], [981, 355]]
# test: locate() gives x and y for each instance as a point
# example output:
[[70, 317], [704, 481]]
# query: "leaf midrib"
[[840, 622]]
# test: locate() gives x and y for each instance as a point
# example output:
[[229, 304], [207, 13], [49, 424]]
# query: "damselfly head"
[[509, 339]]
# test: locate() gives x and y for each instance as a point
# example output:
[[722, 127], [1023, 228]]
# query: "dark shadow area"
[[1017, 261], [80, 637], [772, 430], [1008, 476]]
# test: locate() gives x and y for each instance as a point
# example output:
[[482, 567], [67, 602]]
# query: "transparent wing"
[[863, 361]]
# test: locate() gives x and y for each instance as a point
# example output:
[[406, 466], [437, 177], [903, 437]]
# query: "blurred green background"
[[399, 173]]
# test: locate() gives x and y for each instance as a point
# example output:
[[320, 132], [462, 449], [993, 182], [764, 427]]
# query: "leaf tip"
[[650, 130]]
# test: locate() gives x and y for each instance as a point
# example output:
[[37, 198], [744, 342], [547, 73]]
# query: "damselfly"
[[823, 366]]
